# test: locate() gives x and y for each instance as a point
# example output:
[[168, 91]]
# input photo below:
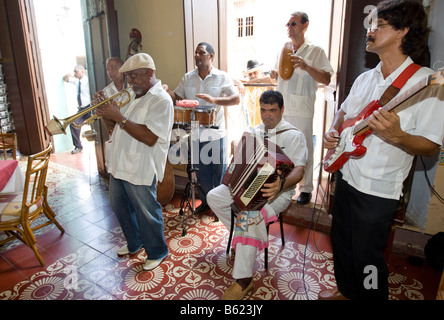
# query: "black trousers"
[[360, 229], [75, 132]]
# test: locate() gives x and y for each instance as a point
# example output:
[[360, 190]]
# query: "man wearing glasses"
[[368, 189], [311, 68]]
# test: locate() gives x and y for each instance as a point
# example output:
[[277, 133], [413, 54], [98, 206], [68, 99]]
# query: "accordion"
[[254, 163]]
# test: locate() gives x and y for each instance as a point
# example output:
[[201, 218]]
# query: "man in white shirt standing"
[[311, 68], [113, 65], [368, 189], [80, 80], [137, 157]]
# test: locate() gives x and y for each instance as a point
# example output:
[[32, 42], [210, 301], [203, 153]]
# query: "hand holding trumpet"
[[105, 110], [108, 110]]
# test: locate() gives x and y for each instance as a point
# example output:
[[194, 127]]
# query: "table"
[[12, 178]]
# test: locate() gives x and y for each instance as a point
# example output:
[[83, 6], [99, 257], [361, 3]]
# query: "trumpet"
[[56, 126]]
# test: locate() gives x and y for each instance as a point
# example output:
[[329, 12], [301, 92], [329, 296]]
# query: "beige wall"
[[163, 37]]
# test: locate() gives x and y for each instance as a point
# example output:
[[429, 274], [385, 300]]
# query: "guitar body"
[[350, 144]]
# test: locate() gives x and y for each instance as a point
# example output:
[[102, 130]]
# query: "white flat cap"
[[138, 61]]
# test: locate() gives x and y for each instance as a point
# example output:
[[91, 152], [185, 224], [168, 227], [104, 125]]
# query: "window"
[[240, 27], [249, 26]]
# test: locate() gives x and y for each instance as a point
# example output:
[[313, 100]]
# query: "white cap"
[[138, 61]]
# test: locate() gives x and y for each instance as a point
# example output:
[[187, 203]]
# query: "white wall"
[[61, 40], [162, 26]]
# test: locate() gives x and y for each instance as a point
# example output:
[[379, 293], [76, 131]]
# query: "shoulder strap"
[[279, 132], [397, 85]]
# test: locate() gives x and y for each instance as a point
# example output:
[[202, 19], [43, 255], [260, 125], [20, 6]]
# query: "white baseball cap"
[[138, 61]]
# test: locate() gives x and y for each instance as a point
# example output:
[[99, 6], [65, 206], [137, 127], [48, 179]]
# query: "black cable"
[[308, 235], [432, 189]]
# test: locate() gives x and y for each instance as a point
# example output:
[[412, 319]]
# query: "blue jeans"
[[212, 166], [140, 217]]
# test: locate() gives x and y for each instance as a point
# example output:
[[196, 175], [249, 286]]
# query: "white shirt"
[[292, 142], [216, 84], [300, 90], [84, 89], [111, 90], [383, 169], [134, 161]]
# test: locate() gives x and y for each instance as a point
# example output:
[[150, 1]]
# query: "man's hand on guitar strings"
[[386, 125], [331, 139]]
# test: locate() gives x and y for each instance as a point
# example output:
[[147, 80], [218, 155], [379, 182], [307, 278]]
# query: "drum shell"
[[182, 115], [285, 65], [205, 116]]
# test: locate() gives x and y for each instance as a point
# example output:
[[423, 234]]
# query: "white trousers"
[[219, 199], [306, 126]]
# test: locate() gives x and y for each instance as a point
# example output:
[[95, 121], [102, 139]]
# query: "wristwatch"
[[122, 123]]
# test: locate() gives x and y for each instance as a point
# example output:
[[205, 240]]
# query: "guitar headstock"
[[438, 78]]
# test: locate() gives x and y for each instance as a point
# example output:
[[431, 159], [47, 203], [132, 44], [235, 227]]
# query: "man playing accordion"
[[252, 236]]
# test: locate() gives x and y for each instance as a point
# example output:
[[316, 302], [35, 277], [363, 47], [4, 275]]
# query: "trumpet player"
[[137, 157]]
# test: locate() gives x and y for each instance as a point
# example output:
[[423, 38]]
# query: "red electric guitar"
[[354, 131]]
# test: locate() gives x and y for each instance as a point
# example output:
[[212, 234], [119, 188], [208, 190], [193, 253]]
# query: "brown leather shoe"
[[331, 294], [235, 292]]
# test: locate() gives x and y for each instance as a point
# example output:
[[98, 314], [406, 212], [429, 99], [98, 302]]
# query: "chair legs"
[[28, 235], [281, 224], [30, 240], [230, 236], [48, 211]]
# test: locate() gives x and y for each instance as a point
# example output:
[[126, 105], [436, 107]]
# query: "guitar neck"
[[395, 102]]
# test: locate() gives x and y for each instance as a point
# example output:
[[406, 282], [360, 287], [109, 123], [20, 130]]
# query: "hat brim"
[[253, 69]]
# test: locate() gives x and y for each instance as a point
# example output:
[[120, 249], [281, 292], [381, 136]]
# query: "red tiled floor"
[[82, 263]]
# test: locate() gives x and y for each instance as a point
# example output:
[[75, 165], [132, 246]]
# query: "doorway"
[[256, 30], [62, 47]]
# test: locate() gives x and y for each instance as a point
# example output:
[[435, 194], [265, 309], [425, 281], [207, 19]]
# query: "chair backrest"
[[35, 179], [8, 141]]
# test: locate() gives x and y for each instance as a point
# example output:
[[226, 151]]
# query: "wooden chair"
[[8, 141], [230, 237], [20, 210]]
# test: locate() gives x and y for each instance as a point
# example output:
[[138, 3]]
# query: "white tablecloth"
[[16, 181]]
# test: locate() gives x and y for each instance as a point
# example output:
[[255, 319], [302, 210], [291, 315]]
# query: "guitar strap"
[[397, 85]]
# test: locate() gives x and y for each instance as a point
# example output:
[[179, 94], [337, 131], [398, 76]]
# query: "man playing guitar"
[[368, 188]]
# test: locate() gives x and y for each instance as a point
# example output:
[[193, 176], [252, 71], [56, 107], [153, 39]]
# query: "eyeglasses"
[[293, 24], [376, 28]]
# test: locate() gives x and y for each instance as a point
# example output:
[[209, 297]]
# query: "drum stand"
[[190, 189]]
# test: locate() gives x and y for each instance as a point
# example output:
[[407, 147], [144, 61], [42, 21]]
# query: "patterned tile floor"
[[82, 264]]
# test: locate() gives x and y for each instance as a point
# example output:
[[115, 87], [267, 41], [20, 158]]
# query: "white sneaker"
[[152, 264], [123, 251]]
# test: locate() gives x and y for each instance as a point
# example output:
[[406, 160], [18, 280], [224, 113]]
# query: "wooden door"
[[21, 61]]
